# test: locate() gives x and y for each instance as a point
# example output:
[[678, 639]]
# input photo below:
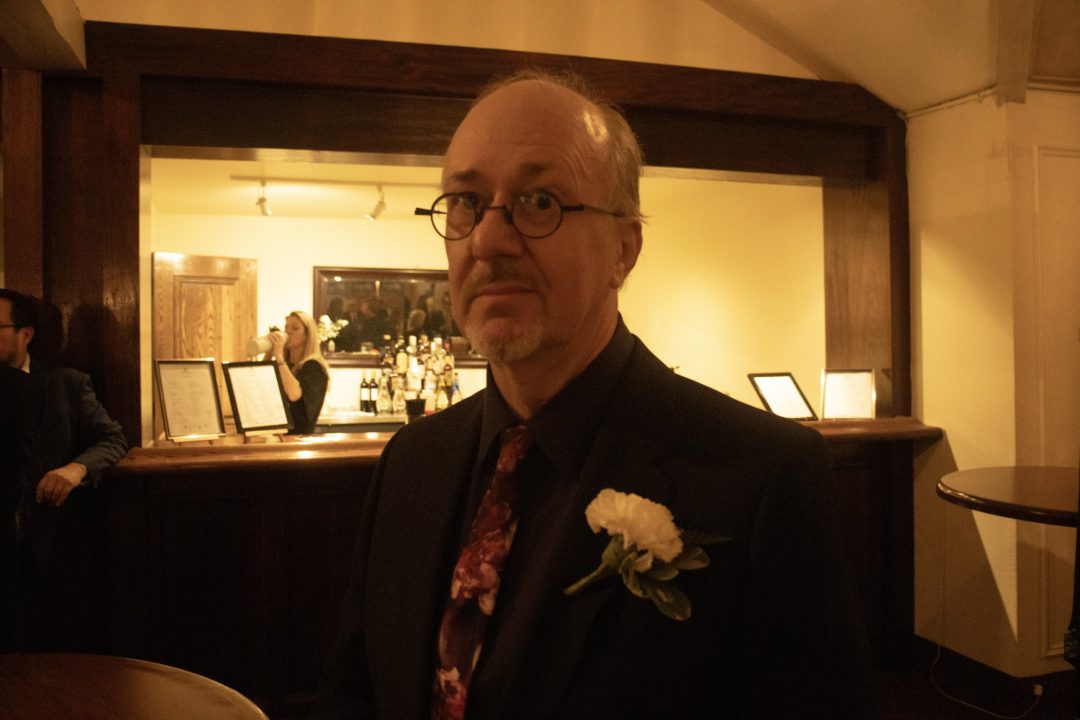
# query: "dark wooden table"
[[1038, 494], [1048, 495], [101, 687]]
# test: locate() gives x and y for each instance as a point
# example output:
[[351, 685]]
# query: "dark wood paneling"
[[858, 283], [446, 71], [243, 114], [74, 159], [20, 110], [236, 571], [899, 266]]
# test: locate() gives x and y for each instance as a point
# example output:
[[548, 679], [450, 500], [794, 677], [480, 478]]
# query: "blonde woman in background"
[[303, 369]]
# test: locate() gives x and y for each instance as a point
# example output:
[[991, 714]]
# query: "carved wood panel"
[[203, 306]]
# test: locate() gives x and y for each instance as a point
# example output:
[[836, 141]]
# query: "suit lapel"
[[624, 456]]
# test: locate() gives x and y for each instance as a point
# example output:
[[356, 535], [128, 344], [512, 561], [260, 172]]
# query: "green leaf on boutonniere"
[[692, 557], [670, 600], [662, 570]]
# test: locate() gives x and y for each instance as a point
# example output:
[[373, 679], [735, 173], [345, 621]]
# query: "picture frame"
[[257, 397], [848, 395], [190, 404], [781, 395], [391, 296]]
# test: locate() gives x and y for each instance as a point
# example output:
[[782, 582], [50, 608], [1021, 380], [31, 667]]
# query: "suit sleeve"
[[345, 689], [804, 653], [101, 437]]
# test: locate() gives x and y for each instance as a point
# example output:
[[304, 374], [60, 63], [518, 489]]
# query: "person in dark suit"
[[59, 440], [542, 226]]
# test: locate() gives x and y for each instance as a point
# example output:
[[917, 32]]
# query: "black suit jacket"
[[775, 631], [63, 422]]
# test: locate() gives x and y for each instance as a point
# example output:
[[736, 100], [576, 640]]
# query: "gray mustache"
[[497, 272]]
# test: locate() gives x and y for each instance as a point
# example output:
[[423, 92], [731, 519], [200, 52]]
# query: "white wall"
[[996, 363]]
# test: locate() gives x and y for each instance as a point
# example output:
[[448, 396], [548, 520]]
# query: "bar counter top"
[[350, 448]]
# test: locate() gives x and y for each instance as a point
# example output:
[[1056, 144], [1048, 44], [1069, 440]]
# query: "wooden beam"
[[41, 35], [1016, 26]]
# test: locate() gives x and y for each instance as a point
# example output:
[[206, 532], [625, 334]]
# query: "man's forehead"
[[5, 310], [528, 129]]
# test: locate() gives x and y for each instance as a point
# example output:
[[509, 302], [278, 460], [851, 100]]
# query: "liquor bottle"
[[455, 395], [397, 402], [442, 395], [365, 393], [372, 393], [383, 403]]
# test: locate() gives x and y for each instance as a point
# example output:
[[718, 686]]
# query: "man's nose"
[[495, 234]]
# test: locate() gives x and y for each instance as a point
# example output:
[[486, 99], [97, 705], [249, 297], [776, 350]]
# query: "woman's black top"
[[305, 411]]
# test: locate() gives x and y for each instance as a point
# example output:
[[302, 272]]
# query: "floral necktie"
[[476, 580]]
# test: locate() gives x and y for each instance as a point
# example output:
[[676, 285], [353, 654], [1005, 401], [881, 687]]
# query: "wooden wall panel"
[[20, 157], [858, 283], [235, 572]]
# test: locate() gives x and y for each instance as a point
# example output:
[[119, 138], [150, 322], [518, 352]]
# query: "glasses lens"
[[454, 215], [537, 214]]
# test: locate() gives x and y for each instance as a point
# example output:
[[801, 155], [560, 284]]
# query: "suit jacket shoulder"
[[73, 426]]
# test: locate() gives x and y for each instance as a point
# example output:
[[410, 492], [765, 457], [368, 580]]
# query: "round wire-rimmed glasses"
[[535, 214]]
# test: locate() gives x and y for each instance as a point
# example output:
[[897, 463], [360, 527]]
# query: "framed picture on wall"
[[190, 406], [781, 395], [257, 397], [383, 303], [847, 394]]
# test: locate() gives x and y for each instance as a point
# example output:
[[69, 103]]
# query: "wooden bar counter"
[[232, 560]]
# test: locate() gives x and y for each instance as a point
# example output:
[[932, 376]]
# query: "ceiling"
[[916, 54], [218, 181]]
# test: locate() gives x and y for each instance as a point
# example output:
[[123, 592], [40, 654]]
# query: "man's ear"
[[629, 247]]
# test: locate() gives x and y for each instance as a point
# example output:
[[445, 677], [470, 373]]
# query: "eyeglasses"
[[535, 214], [7, 325]]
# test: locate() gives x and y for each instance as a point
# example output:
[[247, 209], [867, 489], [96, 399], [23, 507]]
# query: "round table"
[[1026, 492], [1039, 494], [101, 687]]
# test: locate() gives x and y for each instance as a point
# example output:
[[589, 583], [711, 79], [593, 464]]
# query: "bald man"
[[541, 223]]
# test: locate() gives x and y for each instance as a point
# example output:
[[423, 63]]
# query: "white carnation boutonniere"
[[646, 549]]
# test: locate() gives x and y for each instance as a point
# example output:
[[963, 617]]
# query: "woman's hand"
[[277, 345]]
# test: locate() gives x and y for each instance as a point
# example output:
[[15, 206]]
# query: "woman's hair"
[[310, 350]]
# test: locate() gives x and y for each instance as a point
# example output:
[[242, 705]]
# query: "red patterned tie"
[[476, 581]]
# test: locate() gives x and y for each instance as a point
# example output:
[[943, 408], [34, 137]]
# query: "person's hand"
[[58, 484], [277, 345]]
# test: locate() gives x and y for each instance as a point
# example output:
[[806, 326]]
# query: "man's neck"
[[527, 385]]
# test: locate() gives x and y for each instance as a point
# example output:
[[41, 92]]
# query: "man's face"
[[520, 298], [13, 341]]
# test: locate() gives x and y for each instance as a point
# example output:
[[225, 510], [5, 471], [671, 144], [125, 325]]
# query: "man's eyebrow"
[[526, 171], [463, 176]]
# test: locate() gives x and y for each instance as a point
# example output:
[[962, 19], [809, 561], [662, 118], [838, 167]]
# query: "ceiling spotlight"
[[378, 209], [261, 202]]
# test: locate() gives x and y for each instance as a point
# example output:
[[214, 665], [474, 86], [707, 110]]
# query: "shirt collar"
[[25, 367], [564, 427]]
